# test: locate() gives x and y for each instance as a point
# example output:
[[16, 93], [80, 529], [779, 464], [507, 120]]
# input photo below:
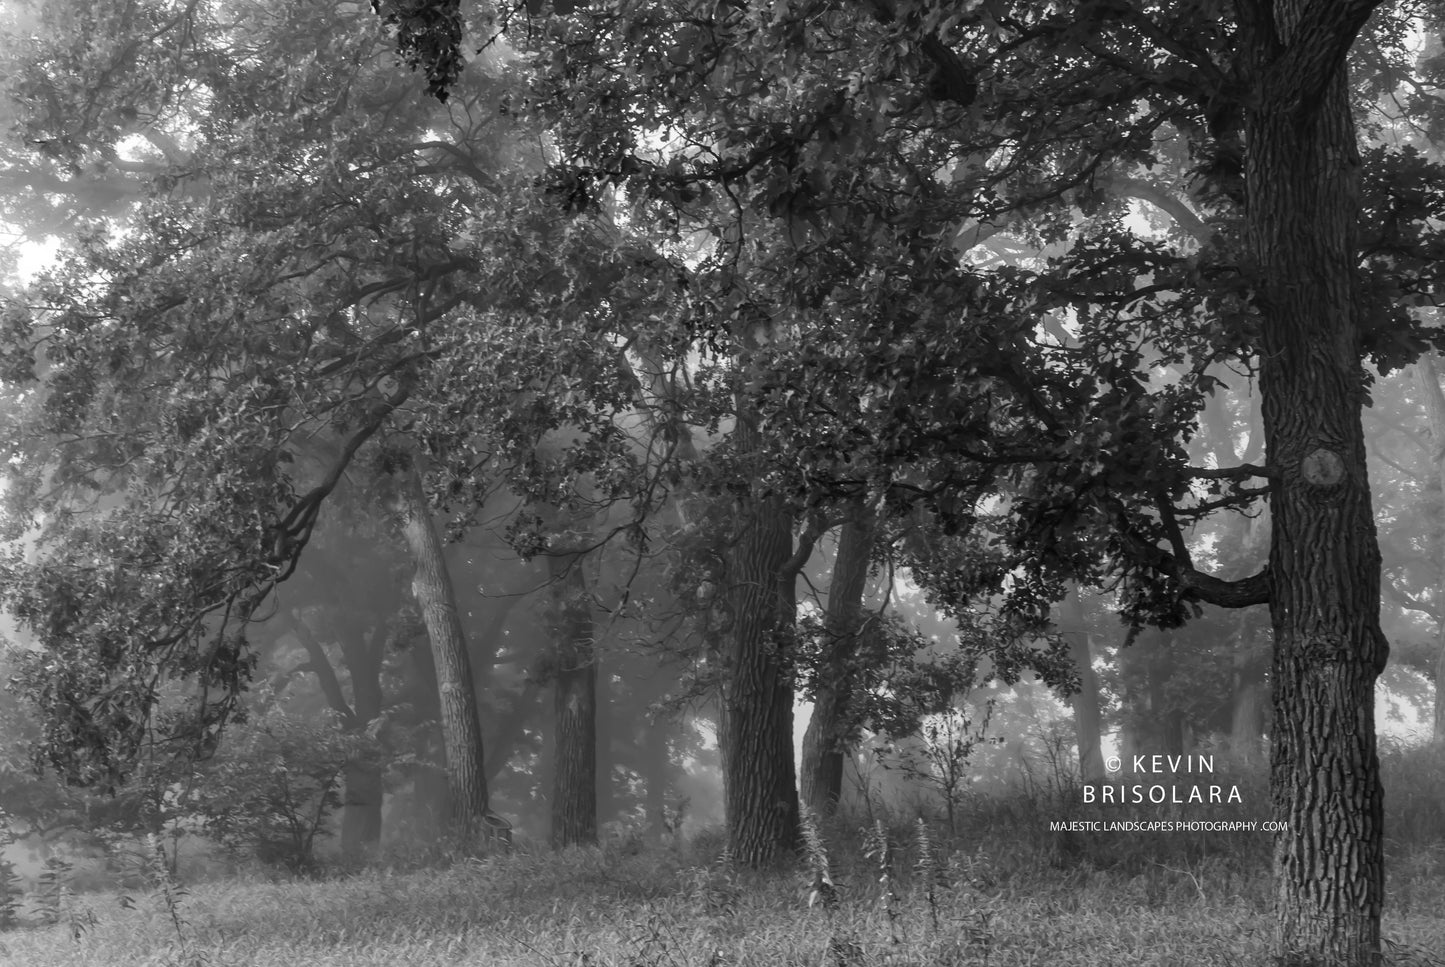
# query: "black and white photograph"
[[722, 483]]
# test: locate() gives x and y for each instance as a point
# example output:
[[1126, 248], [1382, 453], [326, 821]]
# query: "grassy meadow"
[[1005, 891]]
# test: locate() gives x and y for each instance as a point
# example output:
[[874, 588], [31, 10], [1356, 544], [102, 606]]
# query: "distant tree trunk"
[[512, 721], [1166, 720], [361, 814], [574, 759], [825, 742], [1247, 717], [461, 728], [756, 723], [1085, 702], [1130, 743], [1427, 374], [1302, 174], [1156, 727], [656, 777], [1132, 703], [607, 758], [362, 782], [364, 791]]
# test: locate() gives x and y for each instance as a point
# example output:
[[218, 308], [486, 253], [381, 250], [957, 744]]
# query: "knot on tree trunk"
[[1322, 468]]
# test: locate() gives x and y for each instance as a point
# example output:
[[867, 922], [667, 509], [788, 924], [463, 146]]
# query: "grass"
[[1003, 893], [627, 907]]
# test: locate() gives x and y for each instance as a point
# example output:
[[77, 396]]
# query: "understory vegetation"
[[871, 887]]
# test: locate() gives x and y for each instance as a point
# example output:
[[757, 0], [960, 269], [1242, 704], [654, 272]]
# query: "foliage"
[[34, 804], [878, 848], [940, 757], [822, 891], [11, 891], [428, 34], [169, 895], [275, 790], [55, 899], [902, 245], [931, 866], [195, 376]]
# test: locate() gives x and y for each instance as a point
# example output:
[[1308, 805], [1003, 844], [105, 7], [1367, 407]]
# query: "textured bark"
[[756, 722], [574, 758], [1303, 180], [825, 743], [1088, 725], [1427, 374], [461, 728]]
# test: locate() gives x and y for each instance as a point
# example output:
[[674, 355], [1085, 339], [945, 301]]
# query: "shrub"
[[271, 793]]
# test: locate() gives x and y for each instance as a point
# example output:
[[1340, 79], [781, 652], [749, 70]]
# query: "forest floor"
[[1133, 899]]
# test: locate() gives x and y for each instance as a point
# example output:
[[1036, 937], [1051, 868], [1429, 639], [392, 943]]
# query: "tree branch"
[[818, 525], [1196, 585], [1140, 21], [1314, 50], [1170, 205], [1243, 593], [1242, 472], [320, 665]]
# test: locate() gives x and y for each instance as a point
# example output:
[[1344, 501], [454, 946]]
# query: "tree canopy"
[[715, 275]]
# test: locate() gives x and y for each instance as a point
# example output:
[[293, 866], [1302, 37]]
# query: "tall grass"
[[864, 892]]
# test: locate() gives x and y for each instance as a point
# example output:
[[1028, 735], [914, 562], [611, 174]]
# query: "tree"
[[1085, 701], [272, 329], [326, 612], [1037, 100], [756, 717], [827, 739], [461, 724], [574, 785], [1427, 374]]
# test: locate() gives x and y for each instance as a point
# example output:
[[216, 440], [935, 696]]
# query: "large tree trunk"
[[756, 721], [574, 759], [1088, 725], [430, 800], [1303, 179], [825, 742], [1428, 376], [461, 729]]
